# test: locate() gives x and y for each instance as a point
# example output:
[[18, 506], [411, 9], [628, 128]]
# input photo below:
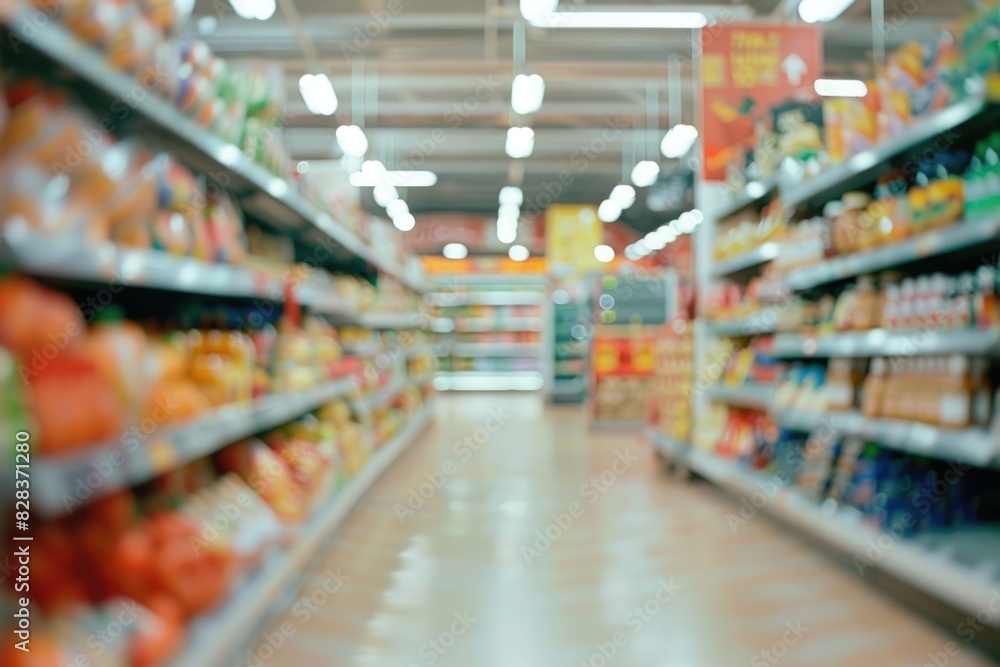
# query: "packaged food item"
[[224, 225], [268, 475], [118, 348], [38, 322]]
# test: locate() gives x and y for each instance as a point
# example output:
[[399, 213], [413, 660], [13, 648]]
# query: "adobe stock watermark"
[[591, 491], [968, 630], [434, 648], [773, 654], [302, 610], [634, 621], [463, 450]]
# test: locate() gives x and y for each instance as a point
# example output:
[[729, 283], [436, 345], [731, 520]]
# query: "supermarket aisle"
[[634, 566]]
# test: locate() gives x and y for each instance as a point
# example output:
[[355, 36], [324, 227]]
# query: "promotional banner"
[[747, 70], [572, 231]]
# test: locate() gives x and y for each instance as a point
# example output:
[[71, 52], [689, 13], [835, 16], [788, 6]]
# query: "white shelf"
[[380, 397], [394, 321], [496, 350], [751, 193], [975, 446], [935, 571], [752, 396], [216, 638], [673, 449], [478, 325], [937, 243], [454, 299], [865, 164], [759, 255], [881, 343], [421, 351], [760, 324], [368, 349], [132, 462], [265, 195], [422, 380]]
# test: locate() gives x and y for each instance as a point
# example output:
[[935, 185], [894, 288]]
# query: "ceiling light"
[[518, 253], [840, 88], [536, 9], [302, 167], [396, 207], [520, 142], [604, 253], [404, 222], [352, 140], [384, 193], [455, 251], [400, 179], [506, 233], [756, 189], [207, 25], [578, 19], [511, 195], [644, 174], [609, 211], [261, 10], [655, 242], [678, 141], [526, 94], [667, 233], [623, 195], [631, 253], [373, 168], [815, 11], [317, 93], [642, 248], [509, 212]]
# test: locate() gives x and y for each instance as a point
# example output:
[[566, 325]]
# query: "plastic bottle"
[[874, 389]]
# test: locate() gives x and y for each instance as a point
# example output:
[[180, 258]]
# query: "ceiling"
[[430, 80]]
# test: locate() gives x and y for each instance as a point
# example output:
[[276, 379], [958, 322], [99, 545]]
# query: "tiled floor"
[[635, 570]]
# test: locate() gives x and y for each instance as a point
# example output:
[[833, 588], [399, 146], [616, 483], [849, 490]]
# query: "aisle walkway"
[[634, 567]]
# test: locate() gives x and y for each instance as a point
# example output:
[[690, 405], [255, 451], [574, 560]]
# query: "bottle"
[[874, 389], [985, 308]]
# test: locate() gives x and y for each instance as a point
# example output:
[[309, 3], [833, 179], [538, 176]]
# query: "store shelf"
[[673, 449], [422, 350], [380, 397], [368, 349], [62, 484], [386, 321], [759, 255], [106, 264], [975, 446], [880, 343], [751, 193], [758, 325], [442, 325], [752, 396], [488, 381], [962, 580], [527, 324], [863, 165], [216, 638], [451, 299], [263, 194], [496, 350], [422, 380], [324, 301], [938, 243]]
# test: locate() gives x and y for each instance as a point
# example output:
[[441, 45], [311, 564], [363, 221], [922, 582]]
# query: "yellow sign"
[[572, 231]]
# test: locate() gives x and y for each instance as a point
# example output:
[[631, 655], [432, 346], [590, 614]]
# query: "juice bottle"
[[874, 389], [955, 398]]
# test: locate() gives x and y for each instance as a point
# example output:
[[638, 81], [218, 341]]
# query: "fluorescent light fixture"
[[604, 253], [755, 189], [537, 9], [580, 19], [697, 216], [352, 140], [678, 141], [400, 179], [642, 248], [302, 167], [686, 223], [667, 233], [317, 93], [373, 168], [518, 253], [260, 10], [384, 193], [520, 142], [609, 211], [816, 11], [404, 222], [645, 173], [655, 241], [455, 251], [207, 24], [396, 207], [631, 252], [506, 231], [526, 94], [840, 88], [623, 195], [511, 195]]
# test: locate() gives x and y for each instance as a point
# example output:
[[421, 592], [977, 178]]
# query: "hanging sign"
[[746, 71], [572, 231]]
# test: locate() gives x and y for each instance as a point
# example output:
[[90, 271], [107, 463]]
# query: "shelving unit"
[[571, 316], [217, 637], [491, 333], [949, 565]]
